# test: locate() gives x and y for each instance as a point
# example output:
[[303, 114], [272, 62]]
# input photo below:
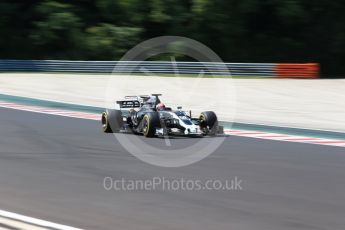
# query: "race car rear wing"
[[128, 104], [138, 97], [137, 101]]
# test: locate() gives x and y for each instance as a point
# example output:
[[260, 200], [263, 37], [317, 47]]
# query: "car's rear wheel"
[[112, 121], [209, 122], [149, 124]]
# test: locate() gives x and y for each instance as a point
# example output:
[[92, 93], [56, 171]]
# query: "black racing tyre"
[[209, 122], [150, 122], [112, 121]]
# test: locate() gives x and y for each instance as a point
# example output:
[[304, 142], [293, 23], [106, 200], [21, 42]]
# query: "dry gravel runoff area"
[[312, 104]]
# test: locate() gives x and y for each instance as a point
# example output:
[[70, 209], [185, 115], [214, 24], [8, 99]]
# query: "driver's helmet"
[[160, 107]]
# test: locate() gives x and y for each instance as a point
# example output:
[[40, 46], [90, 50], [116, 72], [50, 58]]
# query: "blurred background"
[[237, 30]]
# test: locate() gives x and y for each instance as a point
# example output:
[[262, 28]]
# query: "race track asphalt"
[[53, 168]]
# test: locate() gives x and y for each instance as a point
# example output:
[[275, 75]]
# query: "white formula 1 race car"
[[146, 115]]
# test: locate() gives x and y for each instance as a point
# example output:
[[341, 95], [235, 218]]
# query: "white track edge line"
[[35, 221]]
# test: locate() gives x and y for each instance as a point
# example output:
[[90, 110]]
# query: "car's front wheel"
[[209, 122]]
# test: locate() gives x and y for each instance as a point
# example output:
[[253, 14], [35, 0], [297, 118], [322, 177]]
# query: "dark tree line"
[[237, 30]]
